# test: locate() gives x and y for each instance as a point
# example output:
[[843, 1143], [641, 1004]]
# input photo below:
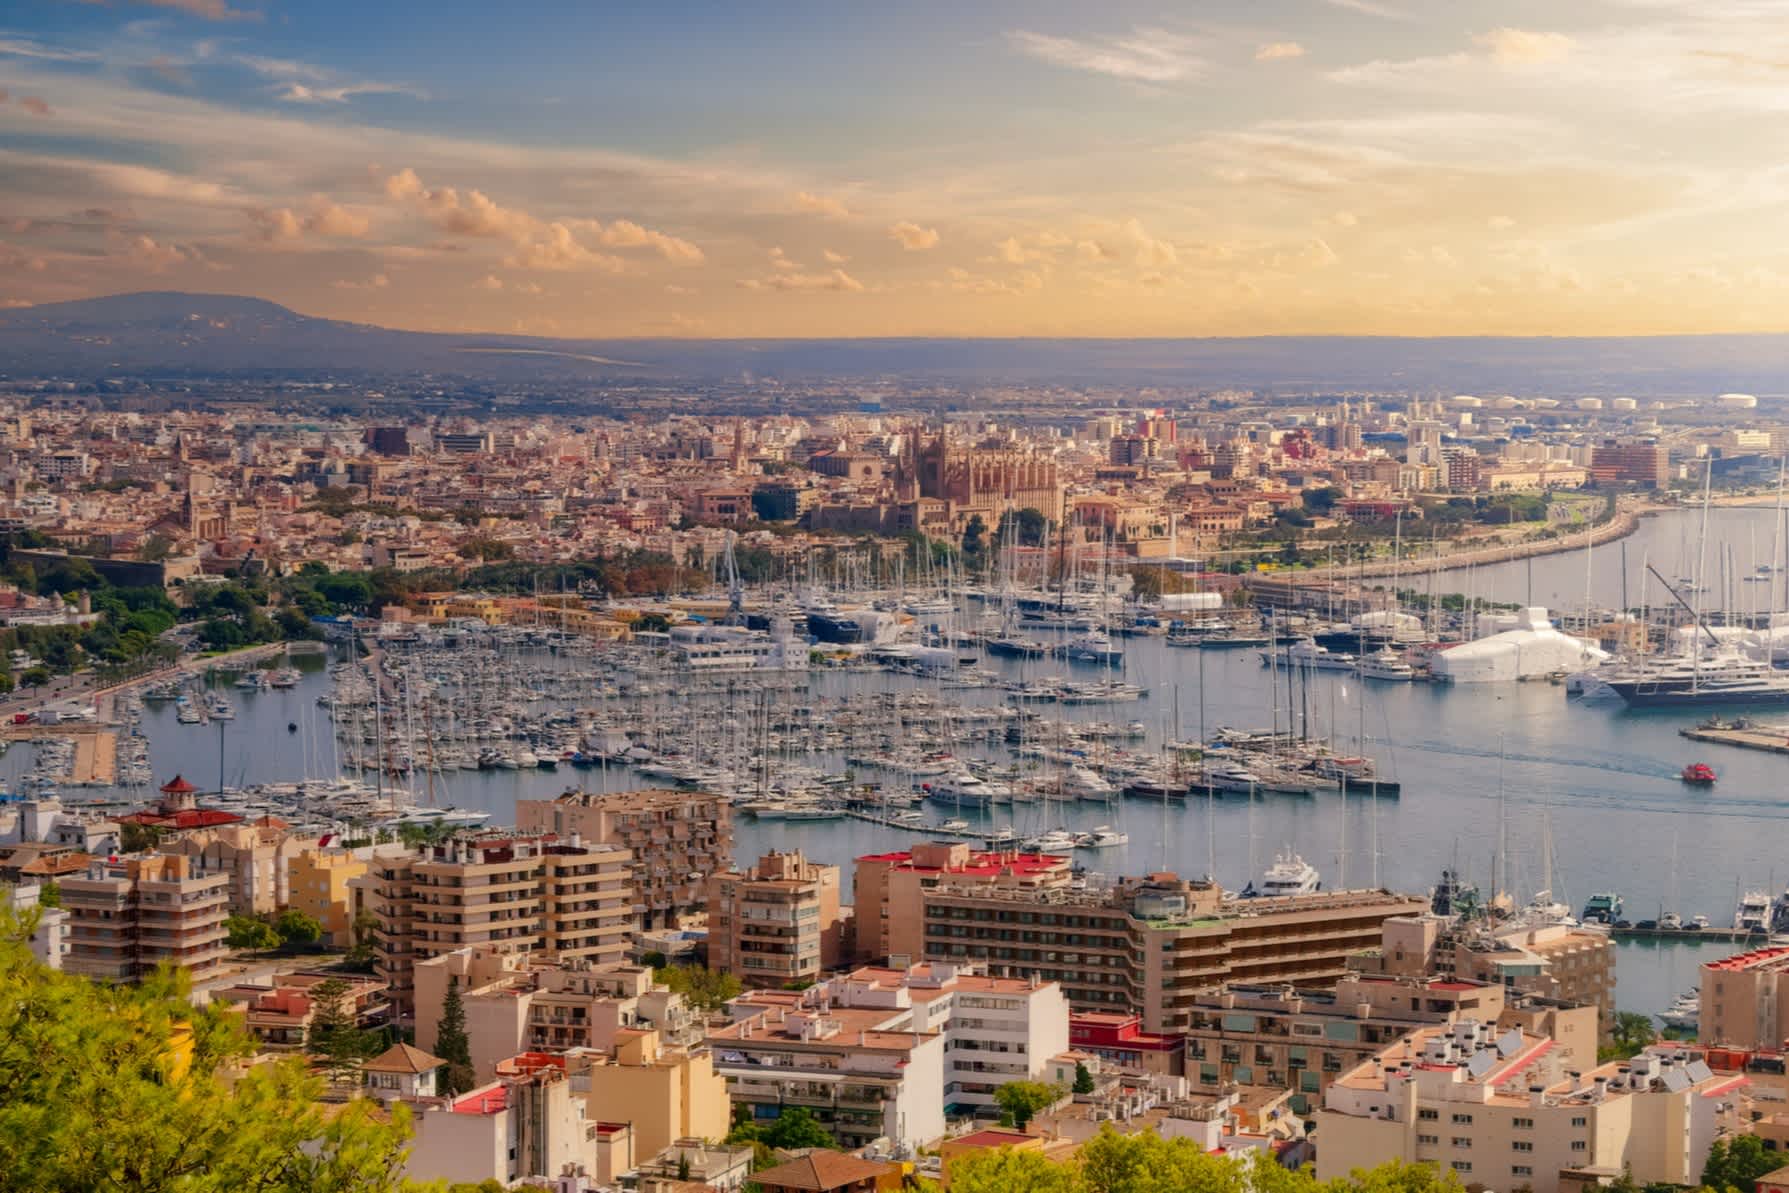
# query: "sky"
[[781, 169]]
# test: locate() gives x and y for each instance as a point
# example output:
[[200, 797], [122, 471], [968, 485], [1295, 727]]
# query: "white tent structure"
[[1525, 645]]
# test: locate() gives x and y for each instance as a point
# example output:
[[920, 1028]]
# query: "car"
[[1622, 924], [1647, 925]]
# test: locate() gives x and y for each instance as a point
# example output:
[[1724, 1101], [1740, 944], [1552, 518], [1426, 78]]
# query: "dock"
[[1725, 935], [924, 830], [1772, 739]]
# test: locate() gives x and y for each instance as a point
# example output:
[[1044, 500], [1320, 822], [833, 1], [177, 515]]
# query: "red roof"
[[991, 1138], [1747, 960], [982, 864], [178, 786], [484, 1101], [190, 818]]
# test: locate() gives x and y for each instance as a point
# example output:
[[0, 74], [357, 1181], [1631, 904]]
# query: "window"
[[1428, 1116], [1462, 1120], [1520, 1170], [1522, 1145], [1580, 1122], [1462, 1166], [1422, 1139], [1578, 1145], [1462, 1141], [1522, 1124]]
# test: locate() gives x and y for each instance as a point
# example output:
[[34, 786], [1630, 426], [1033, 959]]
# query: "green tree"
[[796, 1127], [1083, 1079], [975, 537], [703, 988], [1004, 1170], [136, 1098], [1631, 1032], [1737, 1162], [246, 932], [1021, 1100], [35, 677], [1321, 501], [49, 894], [651, 623], [1029, 525], [366, 924], [451, 1042], [136, 838], [295, 927], [335, 1038]]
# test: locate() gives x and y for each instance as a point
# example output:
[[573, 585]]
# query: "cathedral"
[[986, 479]]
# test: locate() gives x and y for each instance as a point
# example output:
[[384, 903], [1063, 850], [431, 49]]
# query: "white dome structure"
[[1525, 645], [1737, 401]]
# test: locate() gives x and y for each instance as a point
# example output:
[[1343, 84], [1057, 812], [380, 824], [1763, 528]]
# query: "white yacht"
[[1057, 840], [1753, 913], [1290, 874], [1685, 1014], [1387, 664], [1103, 836], [1307, 653]]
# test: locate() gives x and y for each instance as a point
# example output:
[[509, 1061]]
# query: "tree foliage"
[[1630, 1032], [119, 1087], [1021, 1100], [703, 988], [451, 1042], [1083, 1079], [246, 932], [1737, 1162], [795, 1128], [296, 927], [335, 1038]]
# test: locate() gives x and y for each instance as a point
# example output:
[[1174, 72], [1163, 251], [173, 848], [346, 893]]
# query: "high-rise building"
[[888, 911], [1153, 945], [1615, 463], [677, 838], [1743, 1003], [127, 916], [777, 923], [512, 893]]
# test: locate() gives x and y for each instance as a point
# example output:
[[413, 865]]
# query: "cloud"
[[404, 184], [964, 282], [627, 234], [20, 47], [1150, 252], [1371, 8], [779, 261], [1522, 47], [833, 258], [821, 205], [546, 244], [558, 249], [305, 83], [323, 218], [489, 282], [1344, 219], [912, 237], [34, 105], [153, 255], [1011, 251], [835, 280], [1500, 223], [1279, 51], [377, 282], [1144, 55], [211, 10]]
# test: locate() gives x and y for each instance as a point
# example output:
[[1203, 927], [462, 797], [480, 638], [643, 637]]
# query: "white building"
[[1504, 1111], [49, 938], [995, 1030]]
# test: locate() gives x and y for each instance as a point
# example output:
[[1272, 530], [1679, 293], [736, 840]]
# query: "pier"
[[928, 830], [1772, 739], [1725, 935]]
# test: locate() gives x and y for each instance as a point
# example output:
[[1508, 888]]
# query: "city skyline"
[[1300, 166]]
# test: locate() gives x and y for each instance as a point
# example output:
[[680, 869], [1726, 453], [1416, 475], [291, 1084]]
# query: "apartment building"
[[1118, 1040], [663, 1093], [777, 923], [888, 889], [1299, 1039], [279, 1012], [1560, 962], [1504, 1110], [677, 838], [527, 1002], [517, 894], [127, 916], [861, 1081], [995, 1030], [1153, 945], [1741, 1003], [319, 884], [256, 857], [49, 925], [527, 1122]]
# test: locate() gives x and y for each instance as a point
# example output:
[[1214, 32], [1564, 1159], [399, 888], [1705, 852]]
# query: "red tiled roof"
[[821, 1171], [991, 1138], [484, 1101], [191, 818], [980, 864], [178, 786]]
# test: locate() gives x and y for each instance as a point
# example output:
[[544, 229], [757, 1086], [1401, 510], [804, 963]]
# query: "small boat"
[[1685, 1013], [1603, 907], [1699, 774], [1103, 836], [955, 826]]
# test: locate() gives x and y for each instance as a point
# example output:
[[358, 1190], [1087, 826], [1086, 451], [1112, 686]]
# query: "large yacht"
[[1290, 874], [1753, 913], [1721, 677]]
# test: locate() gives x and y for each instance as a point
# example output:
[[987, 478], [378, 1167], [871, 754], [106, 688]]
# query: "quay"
[[930, 830], [1726, 935], [1773, 739]]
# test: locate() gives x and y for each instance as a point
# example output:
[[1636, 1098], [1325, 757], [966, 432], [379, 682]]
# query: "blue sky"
[[816, 169]]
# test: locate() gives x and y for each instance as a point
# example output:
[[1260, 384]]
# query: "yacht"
[[1057, 840], [1095, 646], [1290, 874], [1386, 664], [1684, 1014], [451, 817], [1307, 653], [1723, 677], [1103, 836], [1602, 908], [1753, 913], [955, 826], [1017, 648]]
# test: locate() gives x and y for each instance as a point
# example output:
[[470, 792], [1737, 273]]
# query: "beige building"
[[1555, 961], [523, 1002], [888, 917], [677, 838], [319, 884], [255, 857], [126, 917], [1504, 1110], [526, 1123], [662, 1093], [518, 894], [1153, 945], [777, 923], [1741, 1007], [1302, 1040]]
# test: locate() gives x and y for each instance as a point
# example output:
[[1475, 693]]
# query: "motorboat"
[[1698, 774], [1306, 653], [1752, 915], [1604, 907], [1095, 646], [1387, 664], [1685, 1013], [1103, 836], [1054, 841], [1290, 874]]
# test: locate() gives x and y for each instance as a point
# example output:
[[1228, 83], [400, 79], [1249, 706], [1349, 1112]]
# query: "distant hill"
[[164, 334]]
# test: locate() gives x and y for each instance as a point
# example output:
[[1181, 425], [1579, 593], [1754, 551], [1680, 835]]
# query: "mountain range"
[[172, 335]]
